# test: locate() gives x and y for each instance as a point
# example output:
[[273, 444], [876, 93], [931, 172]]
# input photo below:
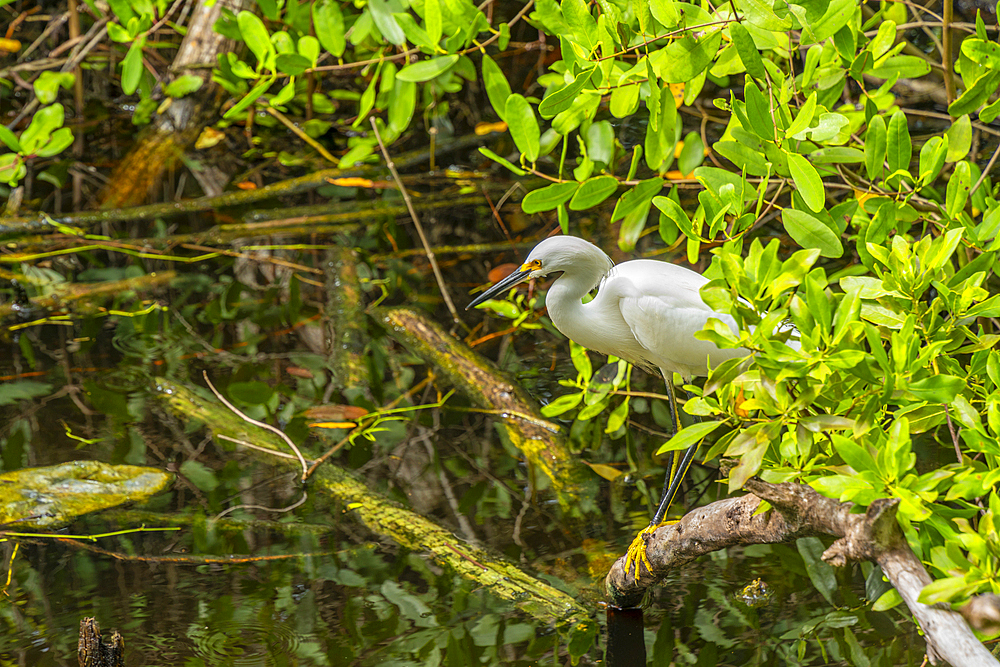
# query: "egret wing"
[[664, 310]]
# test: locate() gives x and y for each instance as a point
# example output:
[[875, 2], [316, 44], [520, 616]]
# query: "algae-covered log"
[[387, 518], [488, 387], [54, 496]]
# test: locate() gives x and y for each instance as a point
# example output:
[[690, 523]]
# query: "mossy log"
[[519, 419], [385, 517]]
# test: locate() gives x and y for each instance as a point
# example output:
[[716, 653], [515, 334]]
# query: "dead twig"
[[420, 229], [278, 432]]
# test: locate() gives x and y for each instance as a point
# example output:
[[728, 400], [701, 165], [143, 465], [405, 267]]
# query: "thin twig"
[[278, 432], [302, 135], [946, 56], [954, 434], [289, 508], [420, 228], [986, 171]]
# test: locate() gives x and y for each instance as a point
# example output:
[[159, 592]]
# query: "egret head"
[[556, 253]]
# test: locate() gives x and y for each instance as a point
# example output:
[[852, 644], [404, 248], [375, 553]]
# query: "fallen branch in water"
[[387, 518], [799, 511]]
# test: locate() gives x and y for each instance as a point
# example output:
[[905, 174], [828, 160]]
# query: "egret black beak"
[[519, 276]]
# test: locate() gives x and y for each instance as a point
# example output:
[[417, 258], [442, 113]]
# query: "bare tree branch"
[[799, 511]]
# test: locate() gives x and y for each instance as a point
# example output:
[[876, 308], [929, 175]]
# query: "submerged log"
[[385, 517], [541, 441], [799, 511], [54, 496]]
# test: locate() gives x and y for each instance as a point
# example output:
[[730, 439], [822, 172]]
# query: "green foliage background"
[[891, 280]]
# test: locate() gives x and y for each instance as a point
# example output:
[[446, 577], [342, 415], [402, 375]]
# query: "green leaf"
[[119, 34], [958, 189], [945, 590], [837, 155], [853, 454], [523, 126], [804, 118], [592, 192], [688, 435], [562, 404], [875, 140], [9, 139], [982, 52], [807, 182], [758, 112], [329, 22], [425, 70], [821, 573], [977, 93], [199, 475], [499, 160], [132, 67], [685, 58], [497, 88], [959, 139], [432, 20], [386, 22], [665, 12], [902, 67], [743, 156], [255, 35], [563, 98], [761, 14], [899, 149], [937, 388], [12, 393], [402, 104], [252, 393], [292, 64], [891, 598], [60, 140], [811, 232], [549, 197], [633, 209], [932, 157], [249, 98], [46, 86], [747, 51], [183, 85], [624, 99]]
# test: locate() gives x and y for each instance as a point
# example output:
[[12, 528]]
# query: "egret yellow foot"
[[636, 553]]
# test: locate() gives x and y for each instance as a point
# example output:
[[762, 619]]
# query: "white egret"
[[645, 312]]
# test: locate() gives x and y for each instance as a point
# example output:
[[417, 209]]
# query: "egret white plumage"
[[645, 311]]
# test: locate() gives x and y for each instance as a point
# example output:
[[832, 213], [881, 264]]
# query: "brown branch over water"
[[799, 511]]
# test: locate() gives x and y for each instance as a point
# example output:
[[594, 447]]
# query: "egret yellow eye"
[[533, 265]]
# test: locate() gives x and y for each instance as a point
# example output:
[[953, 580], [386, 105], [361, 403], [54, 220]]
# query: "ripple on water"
[[244, 643]]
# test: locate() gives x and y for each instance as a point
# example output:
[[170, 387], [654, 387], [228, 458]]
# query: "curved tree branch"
[[799, 511]]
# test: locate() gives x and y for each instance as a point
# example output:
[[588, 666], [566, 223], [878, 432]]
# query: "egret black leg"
[[679, 468]]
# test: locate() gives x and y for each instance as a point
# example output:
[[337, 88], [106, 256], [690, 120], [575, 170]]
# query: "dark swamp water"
[[281, 330]]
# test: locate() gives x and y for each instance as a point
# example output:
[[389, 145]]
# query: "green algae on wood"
[[385, 517], [55, 495], [487, 386]]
